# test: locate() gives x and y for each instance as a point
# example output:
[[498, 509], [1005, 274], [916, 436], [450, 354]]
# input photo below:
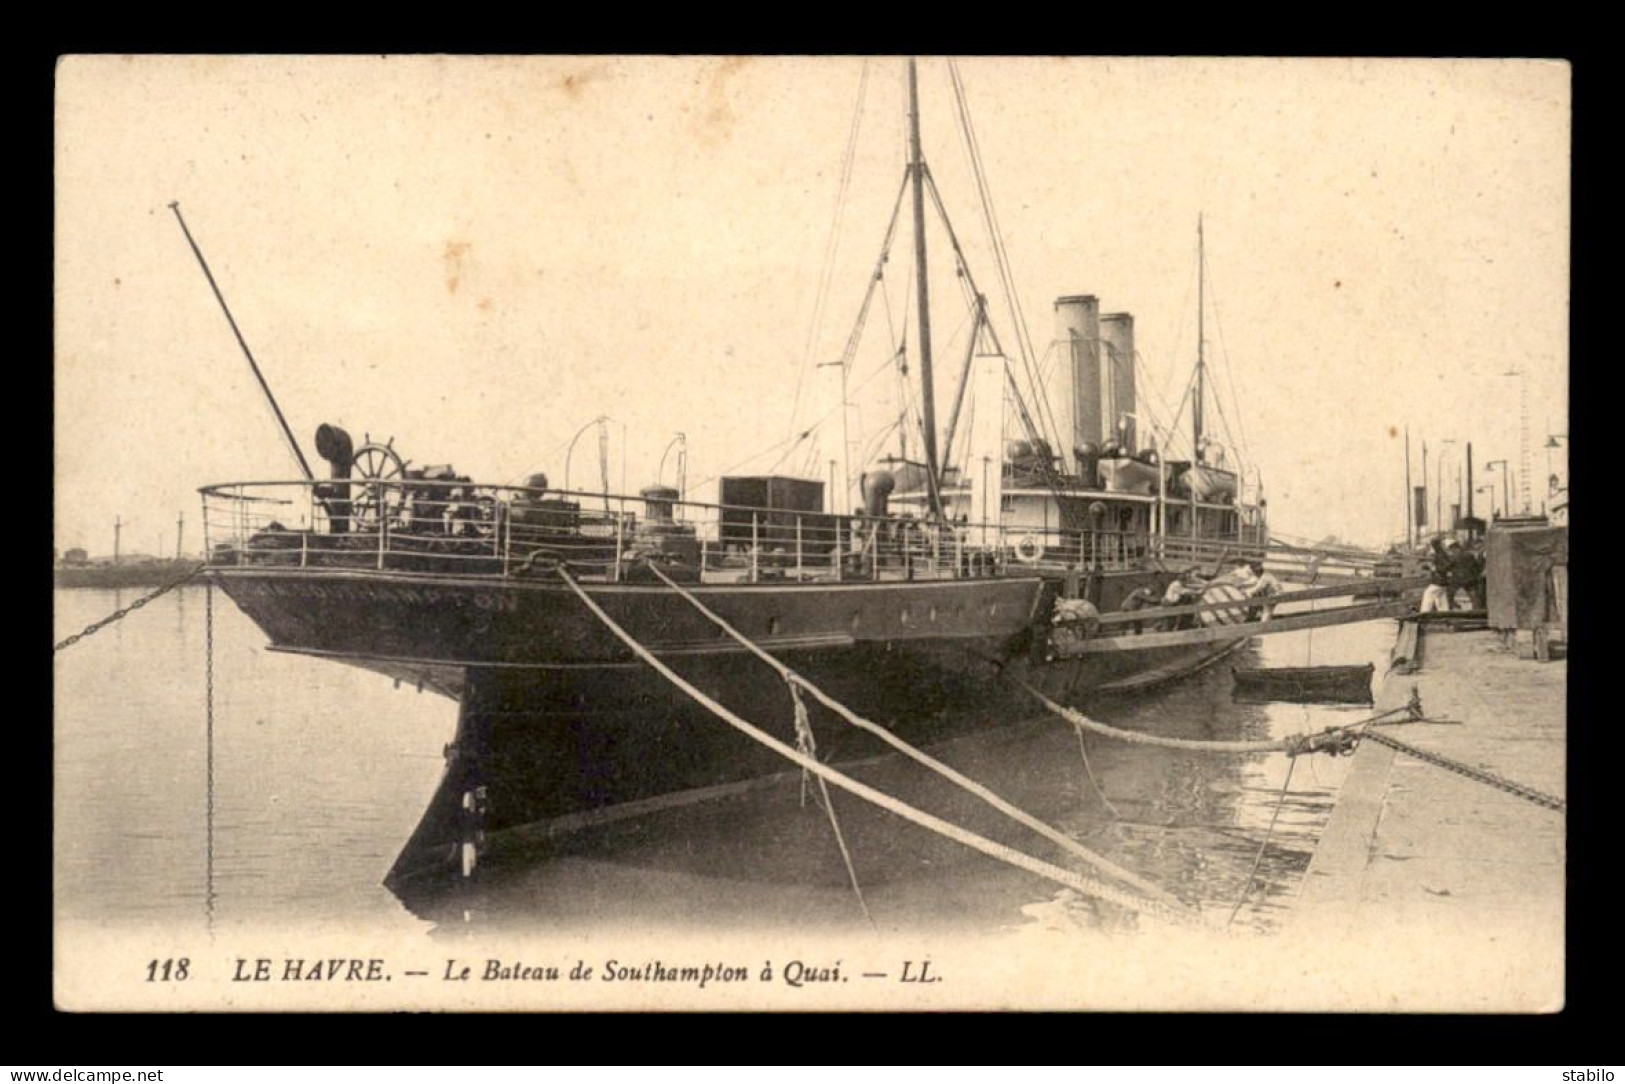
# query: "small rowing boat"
[[1306, 684]]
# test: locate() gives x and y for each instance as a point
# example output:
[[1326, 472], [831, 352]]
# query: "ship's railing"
[[1179, 550], [450, 526]]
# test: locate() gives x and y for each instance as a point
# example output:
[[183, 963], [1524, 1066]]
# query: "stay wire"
[[1259, 857]]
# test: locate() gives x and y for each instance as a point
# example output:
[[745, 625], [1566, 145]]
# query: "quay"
[[1415, 857]]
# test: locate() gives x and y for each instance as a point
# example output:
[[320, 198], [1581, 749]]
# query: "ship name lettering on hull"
[[405, 595]]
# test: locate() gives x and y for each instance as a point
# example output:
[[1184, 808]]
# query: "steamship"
[[1014, 557]]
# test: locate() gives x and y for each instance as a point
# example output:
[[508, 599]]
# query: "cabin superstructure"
[[1083, 486], [1108, 500]]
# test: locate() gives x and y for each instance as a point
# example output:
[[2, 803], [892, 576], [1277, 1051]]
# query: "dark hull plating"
[[559, 721]]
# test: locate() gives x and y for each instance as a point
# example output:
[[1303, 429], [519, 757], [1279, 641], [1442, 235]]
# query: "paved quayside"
[[1416, 858]]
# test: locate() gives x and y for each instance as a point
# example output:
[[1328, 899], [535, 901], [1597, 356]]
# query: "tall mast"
[[928, 406], [1201, 345]]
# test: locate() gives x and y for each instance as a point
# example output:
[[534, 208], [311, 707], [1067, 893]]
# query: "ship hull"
[[559, 722], [555, 749]]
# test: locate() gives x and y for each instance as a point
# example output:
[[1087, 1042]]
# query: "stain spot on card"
[[455, 257]]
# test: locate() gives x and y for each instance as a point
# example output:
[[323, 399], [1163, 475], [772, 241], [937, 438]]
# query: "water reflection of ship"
[[1190, 822], [906, 610]]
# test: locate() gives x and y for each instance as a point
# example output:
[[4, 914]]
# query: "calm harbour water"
[[321, 772]]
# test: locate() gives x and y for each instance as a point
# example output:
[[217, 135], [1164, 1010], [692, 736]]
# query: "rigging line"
[[964, 466], [1179, 333], [900, 355], [796, 438], [877, 278], [1046, 412], [1156, 399], [832, 245], [1001, 254], [1229, 374], [777, 463], [1190, 386], [1279, 802], [1224, 422], [968, 136], [749, 458], [875, 442]]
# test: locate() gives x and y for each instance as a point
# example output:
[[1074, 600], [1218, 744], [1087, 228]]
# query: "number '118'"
[[167, 970]]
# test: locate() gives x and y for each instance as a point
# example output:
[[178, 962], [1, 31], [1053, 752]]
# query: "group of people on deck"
[[1453, 568]]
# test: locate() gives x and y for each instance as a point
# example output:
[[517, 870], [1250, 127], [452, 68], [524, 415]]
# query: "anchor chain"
[[1499, 782], [97, 626], [208, 737]]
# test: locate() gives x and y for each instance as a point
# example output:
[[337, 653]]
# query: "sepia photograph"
[[672, 533]]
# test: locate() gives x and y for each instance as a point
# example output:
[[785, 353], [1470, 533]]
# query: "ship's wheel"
[[374, 499]]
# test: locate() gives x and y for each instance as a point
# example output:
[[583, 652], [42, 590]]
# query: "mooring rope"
[[1337, 740], [1329, 740], [806, 743], [1009, 855], [1026, 819]]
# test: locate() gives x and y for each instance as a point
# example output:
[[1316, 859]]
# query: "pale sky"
[[477, 256]]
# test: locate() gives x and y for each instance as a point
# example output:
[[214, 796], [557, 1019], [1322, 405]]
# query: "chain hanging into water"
[[96, 626], [208, 754]]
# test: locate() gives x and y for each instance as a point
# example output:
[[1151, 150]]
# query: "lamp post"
[[1491, 491], [1551, 444], [1523, 434], [1438, 486]]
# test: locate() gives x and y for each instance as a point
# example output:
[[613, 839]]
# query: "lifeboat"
[[1127, 475], [1207, 484]]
